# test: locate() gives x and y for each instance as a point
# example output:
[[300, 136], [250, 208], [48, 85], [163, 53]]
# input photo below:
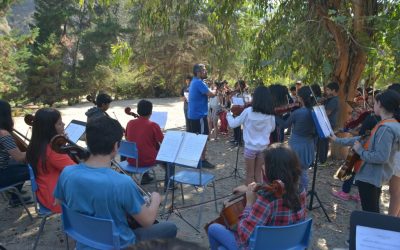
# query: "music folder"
[[321, 121], [182, 148], [75, 129]]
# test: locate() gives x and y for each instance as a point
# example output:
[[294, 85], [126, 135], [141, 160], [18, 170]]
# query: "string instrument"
[[355, 122], [62, 145], [28, 119], [129, 111], [346, 170], [20, 140], [286, 108], [233, 208], [238, 109], [90, 98]]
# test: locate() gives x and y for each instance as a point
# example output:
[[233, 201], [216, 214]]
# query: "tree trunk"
[[351, 57]]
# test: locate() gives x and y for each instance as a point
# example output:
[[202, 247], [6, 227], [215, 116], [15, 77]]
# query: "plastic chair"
[[129, 150], [91, 231], [14, 190], [196, 178], [295, 236], [41, 210]]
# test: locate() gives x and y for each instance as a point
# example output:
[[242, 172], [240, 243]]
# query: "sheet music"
[[368, 238], [322, 120], [170, 146], [160, 118], [75, 130], [237, 101], [191, 149], [186, 94]]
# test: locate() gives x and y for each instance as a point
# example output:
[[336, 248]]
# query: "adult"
[[12, 161], [185, 99], [198, 106], [93, 188]]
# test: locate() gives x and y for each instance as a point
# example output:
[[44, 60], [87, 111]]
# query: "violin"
[[62, 145], [355, 122], [286, 108], [234, 207], [129, 111], [349, 167], [90, 98]]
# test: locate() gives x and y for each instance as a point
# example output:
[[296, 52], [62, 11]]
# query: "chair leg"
[[40, 231], [201, 207], [215, 197], [183, 197], [155, 179], [15, 191]]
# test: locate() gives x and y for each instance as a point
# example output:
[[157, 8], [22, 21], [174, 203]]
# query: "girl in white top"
[[258, 122]]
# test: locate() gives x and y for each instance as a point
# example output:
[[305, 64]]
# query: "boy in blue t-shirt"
[[93, 188]]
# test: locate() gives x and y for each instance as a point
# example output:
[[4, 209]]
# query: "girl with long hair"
[[46, 163], [303, 132], [258, 123], [12, 161], [263, 208], [378, 154]]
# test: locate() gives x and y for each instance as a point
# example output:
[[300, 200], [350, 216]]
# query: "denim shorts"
[[253, 154]]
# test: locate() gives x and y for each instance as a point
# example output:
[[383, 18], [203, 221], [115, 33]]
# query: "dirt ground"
[[18, 232]]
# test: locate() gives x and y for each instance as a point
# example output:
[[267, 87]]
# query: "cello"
[[233, 208]]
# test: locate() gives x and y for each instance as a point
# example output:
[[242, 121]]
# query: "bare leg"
[[394, 190], [259, 163], [250, 164]]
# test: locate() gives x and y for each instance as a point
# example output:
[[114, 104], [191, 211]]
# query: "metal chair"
[[196, 178], [295, 236], [14, 190], [130, 150], [41, 210], [91, 231]]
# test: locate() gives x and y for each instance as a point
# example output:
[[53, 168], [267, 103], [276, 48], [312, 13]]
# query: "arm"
[[345, 141], [383, 145], [9, 145], [237, 121], [148, 214]]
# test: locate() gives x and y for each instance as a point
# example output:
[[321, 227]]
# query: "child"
[[214, 107], [258, 123], [239, 92], [46, 164], [378, 153], [332, 110], [102, 105], [303, 132], [263, 208]]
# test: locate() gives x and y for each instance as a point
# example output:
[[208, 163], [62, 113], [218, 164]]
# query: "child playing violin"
[[377, 164], [263, 208], [258, 123]]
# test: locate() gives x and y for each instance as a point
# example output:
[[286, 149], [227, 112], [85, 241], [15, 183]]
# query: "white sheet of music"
[[74, 131], [368, 238], [170, 146], [191, 149], [160, 118], [323, 120], [237, 101]]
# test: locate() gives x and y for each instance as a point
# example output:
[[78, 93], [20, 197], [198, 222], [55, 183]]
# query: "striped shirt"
[[6, 143], [267, 211]]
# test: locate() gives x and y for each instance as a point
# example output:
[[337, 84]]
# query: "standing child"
[[378, 153], [258, 123], [214, 107], [332, 110], [303, 132]]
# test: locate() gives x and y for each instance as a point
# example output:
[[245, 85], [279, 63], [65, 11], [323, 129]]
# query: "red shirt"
[[267, 211], [47, 180], [147, 135]]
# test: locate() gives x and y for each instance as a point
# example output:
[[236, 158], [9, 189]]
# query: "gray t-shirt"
[[332, 105]]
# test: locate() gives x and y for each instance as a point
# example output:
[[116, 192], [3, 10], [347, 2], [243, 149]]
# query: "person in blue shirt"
[[93, 188], [198, 106]]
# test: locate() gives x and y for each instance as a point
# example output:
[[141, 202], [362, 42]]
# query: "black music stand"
[[312, 192], [172, 209]]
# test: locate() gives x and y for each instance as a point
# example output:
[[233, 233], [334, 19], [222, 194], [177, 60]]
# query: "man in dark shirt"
[[332, 110]]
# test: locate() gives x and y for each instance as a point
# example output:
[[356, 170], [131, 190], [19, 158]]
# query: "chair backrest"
[[373, 221], [91, 231], [128, 149], [34, 188], [295, 236]]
